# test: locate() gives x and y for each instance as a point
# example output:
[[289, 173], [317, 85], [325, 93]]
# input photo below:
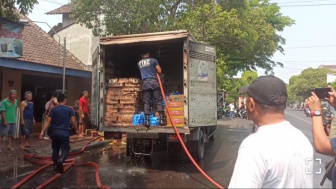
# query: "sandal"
[[22, 148], [10, 148], [28, 145]]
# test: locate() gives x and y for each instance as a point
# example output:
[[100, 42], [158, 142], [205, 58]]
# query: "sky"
[[310, 42]]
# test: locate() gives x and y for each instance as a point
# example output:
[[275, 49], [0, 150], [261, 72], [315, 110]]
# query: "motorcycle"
[[307, 112], [220, 113], [242, 114]]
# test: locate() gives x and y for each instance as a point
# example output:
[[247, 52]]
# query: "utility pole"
[[64, 58]]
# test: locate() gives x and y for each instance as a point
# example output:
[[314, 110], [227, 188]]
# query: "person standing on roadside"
[[83, 113], [49, 105], [27, 119], [8, 113], [323, 143], [232, 109], [58, 119], [277, 154]]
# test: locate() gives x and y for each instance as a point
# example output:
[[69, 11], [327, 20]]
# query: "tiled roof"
[[332, 67], [39, 47], [55, 28], [62, 10]]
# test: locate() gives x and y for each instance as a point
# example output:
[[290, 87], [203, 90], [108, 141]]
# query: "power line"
[[53, 1], [312, 5], [46, 11], [305, 61], [294, 2], [299, 69], [300, 65], [308, 47]]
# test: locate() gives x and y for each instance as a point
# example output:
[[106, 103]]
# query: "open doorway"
[[42, 88]]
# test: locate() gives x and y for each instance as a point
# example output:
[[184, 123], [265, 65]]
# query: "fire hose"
[[181, 141], [45, 161]]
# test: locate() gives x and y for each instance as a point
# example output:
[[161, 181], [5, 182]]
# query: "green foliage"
[[129, 17], [232, 85], [245, 37], [229, 100], [245, 32], [301, 86], [8, 10], [333, 84], [248, 77]]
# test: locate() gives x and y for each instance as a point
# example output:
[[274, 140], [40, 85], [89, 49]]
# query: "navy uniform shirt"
[[147, 68], [60, 117]]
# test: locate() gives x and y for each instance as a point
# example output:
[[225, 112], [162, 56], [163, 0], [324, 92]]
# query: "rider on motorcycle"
[[241, 109]]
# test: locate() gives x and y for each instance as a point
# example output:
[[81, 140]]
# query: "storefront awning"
[[22, 65]]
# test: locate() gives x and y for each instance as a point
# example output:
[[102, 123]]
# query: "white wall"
[[80, 42]]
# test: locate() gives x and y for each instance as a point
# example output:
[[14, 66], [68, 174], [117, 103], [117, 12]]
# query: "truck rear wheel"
[[200, 153], [197, 147]]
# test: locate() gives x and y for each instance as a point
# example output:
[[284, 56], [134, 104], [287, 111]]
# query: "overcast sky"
[[309, 43]]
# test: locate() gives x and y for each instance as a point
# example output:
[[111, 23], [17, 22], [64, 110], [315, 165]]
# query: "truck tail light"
[[173, 138], [112, 135]]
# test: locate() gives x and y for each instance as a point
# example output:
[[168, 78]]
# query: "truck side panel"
[[202, 85]]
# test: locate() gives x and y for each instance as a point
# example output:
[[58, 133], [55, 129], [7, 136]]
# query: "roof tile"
[[62, 10], [39, 47]]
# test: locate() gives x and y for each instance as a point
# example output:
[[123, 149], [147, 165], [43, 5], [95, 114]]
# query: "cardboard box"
[[177, 111], [176, 98], [177, 120], [176, 104]]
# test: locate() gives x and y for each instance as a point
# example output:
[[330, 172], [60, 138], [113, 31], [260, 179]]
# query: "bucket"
[[138, 119], [154, 121]]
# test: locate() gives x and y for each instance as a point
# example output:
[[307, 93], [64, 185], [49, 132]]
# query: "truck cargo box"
[[189, 68]]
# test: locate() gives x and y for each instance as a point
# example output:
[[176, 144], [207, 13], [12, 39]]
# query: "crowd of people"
[[230, 111], [9, 117]]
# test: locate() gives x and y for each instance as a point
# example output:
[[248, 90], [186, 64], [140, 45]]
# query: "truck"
[[188, 67]]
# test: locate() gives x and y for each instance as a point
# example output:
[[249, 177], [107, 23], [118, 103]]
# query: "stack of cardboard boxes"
[[176, 106], [123, 100]]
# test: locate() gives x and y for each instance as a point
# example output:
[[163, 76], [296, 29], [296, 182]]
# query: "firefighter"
[[59, 118], [150, 86]]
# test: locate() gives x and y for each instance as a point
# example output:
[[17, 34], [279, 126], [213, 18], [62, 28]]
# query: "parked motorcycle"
[[242, 114]]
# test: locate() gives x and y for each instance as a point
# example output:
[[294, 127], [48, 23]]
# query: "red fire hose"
[[45, 161], [181, 141]]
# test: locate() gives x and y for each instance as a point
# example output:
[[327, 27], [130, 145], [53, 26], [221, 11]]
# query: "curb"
[[92, 145]]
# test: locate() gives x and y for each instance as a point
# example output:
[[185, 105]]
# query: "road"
[[118, 171], [300, 121]]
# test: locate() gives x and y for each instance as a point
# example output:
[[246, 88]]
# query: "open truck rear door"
[[95, 89], [202, 96], [202, 85]]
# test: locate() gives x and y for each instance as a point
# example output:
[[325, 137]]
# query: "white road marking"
[[298, 118]]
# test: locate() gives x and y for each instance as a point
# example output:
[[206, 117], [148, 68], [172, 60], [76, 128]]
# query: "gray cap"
[[266, 90]]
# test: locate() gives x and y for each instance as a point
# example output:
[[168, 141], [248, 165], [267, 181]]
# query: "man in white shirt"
[[278, 155], [232, 108]]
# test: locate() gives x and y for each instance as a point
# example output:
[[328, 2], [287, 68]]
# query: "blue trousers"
[[60, 140], [231, 114]]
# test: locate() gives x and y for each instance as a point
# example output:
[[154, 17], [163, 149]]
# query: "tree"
[[245, 38], [248, 77], [243, 31], [129, 17], [333, 84], [301, 86], [232, 85], [8, 8]]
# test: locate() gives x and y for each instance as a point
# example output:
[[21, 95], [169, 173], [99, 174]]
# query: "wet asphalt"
[[161, 171], [118, 171]]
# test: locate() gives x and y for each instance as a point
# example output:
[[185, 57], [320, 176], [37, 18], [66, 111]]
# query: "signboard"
[[331, 78], [10, 39]]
